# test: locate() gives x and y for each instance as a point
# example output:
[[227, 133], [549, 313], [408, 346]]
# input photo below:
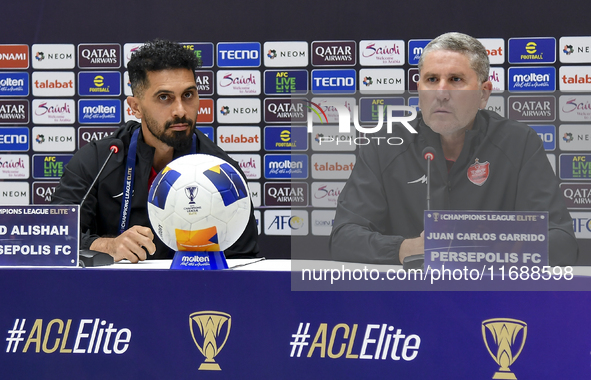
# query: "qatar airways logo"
[[334, 53]]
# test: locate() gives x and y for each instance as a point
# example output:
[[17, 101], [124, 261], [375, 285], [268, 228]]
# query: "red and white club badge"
[[478, 172]]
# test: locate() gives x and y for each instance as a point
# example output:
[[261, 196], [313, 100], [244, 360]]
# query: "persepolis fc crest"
[[478, 172]]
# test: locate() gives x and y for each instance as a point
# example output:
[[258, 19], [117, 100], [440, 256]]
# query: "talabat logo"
[[88, 134], [14, 111], [53, 83], [14, 166], [532, 50], [14, 139], [239, 139], [203, 51], [43, 192], [54, 139], [321, 222], [292, 82], [107, 111], [129, 114], [238, 110], [575, 49], [99, 56], [334, 81], [575, 107], [286, 166], [582, 224], [575, 137], [286, 54], [14, 84], [548, 135], [99, 83], [52, 56], [286, 138], [14, 193], [532, 79], [575, 78], [577, 195], [326, 194], [575, 166], [286, 110], [239, 54], [496, 76], [495, 48], [286, 194], [86, 336], [334, 53], [381, 53], [332, 166], [205, 82], [381, 81], [50, 166], [532, 108], [205, 115], [14, 56], [239, 82], [286, 222], [249, 163], [54, 111], [415, 49]]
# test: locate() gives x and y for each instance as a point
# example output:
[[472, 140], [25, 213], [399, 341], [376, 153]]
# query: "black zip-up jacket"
[[383, 201], [99, 216]]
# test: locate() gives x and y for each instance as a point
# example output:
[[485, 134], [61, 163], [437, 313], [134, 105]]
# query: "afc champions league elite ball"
[[199, 202]]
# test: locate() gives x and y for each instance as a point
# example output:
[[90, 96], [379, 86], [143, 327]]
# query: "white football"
[[199, 202]]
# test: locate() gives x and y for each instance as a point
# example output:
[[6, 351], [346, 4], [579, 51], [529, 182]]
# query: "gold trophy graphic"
[[504, 333], [211, 324]]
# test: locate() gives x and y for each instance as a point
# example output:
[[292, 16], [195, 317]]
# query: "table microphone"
[[418, 261], [87, 257]]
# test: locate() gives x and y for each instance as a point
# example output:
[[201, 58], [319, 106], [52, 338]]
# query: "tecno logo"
[[334, 81], [243, 54]]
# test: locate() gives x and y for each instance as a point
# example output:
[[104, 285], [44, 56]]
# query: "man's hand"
[[411, 247], [129, 245]]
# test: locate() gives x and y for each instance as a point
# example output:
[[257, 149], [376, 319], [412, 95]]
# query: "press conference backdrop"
[[63, 83]]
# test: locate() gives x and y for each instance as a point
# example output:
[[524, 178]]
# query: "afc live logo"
[[203, 51], [290, 82]]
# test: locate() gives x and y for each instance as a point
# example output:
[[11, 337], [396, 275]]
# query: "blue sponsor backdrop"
[[532, 79], [157, 336], [14, 84], [286, 138], [286, 82], [332, 81], [532, 50], [239, 54], [99, 83], [104, 111], [548, 135], [14, 139]]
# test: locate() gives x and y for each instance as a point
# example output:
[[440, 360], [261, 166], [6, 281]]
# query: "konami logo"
[[14, 56], [205, 115]]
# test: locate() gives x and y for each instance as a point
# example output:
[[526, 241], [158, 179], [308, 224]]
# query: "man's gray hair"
[[461, 43]]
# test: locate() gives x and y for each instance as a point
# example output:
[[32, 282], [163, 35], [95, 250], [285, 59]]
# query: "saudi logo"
[[40, 139], [272, 54], [317, 108], [39, 56], [367, 81], [225, 110], [568, 49], [568, 137]]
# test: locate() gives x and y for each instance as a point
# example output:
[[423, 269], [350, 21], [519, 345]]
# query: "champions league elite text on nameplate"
[[39, 235], [485, 240]]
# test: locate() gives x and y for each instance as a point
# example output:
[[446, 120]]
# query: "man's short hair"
[[461, 43], [158, 55]]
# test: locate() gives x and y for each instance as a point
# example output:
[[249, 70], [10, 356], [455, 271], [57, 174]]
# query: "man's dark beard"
[[178, 140]]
